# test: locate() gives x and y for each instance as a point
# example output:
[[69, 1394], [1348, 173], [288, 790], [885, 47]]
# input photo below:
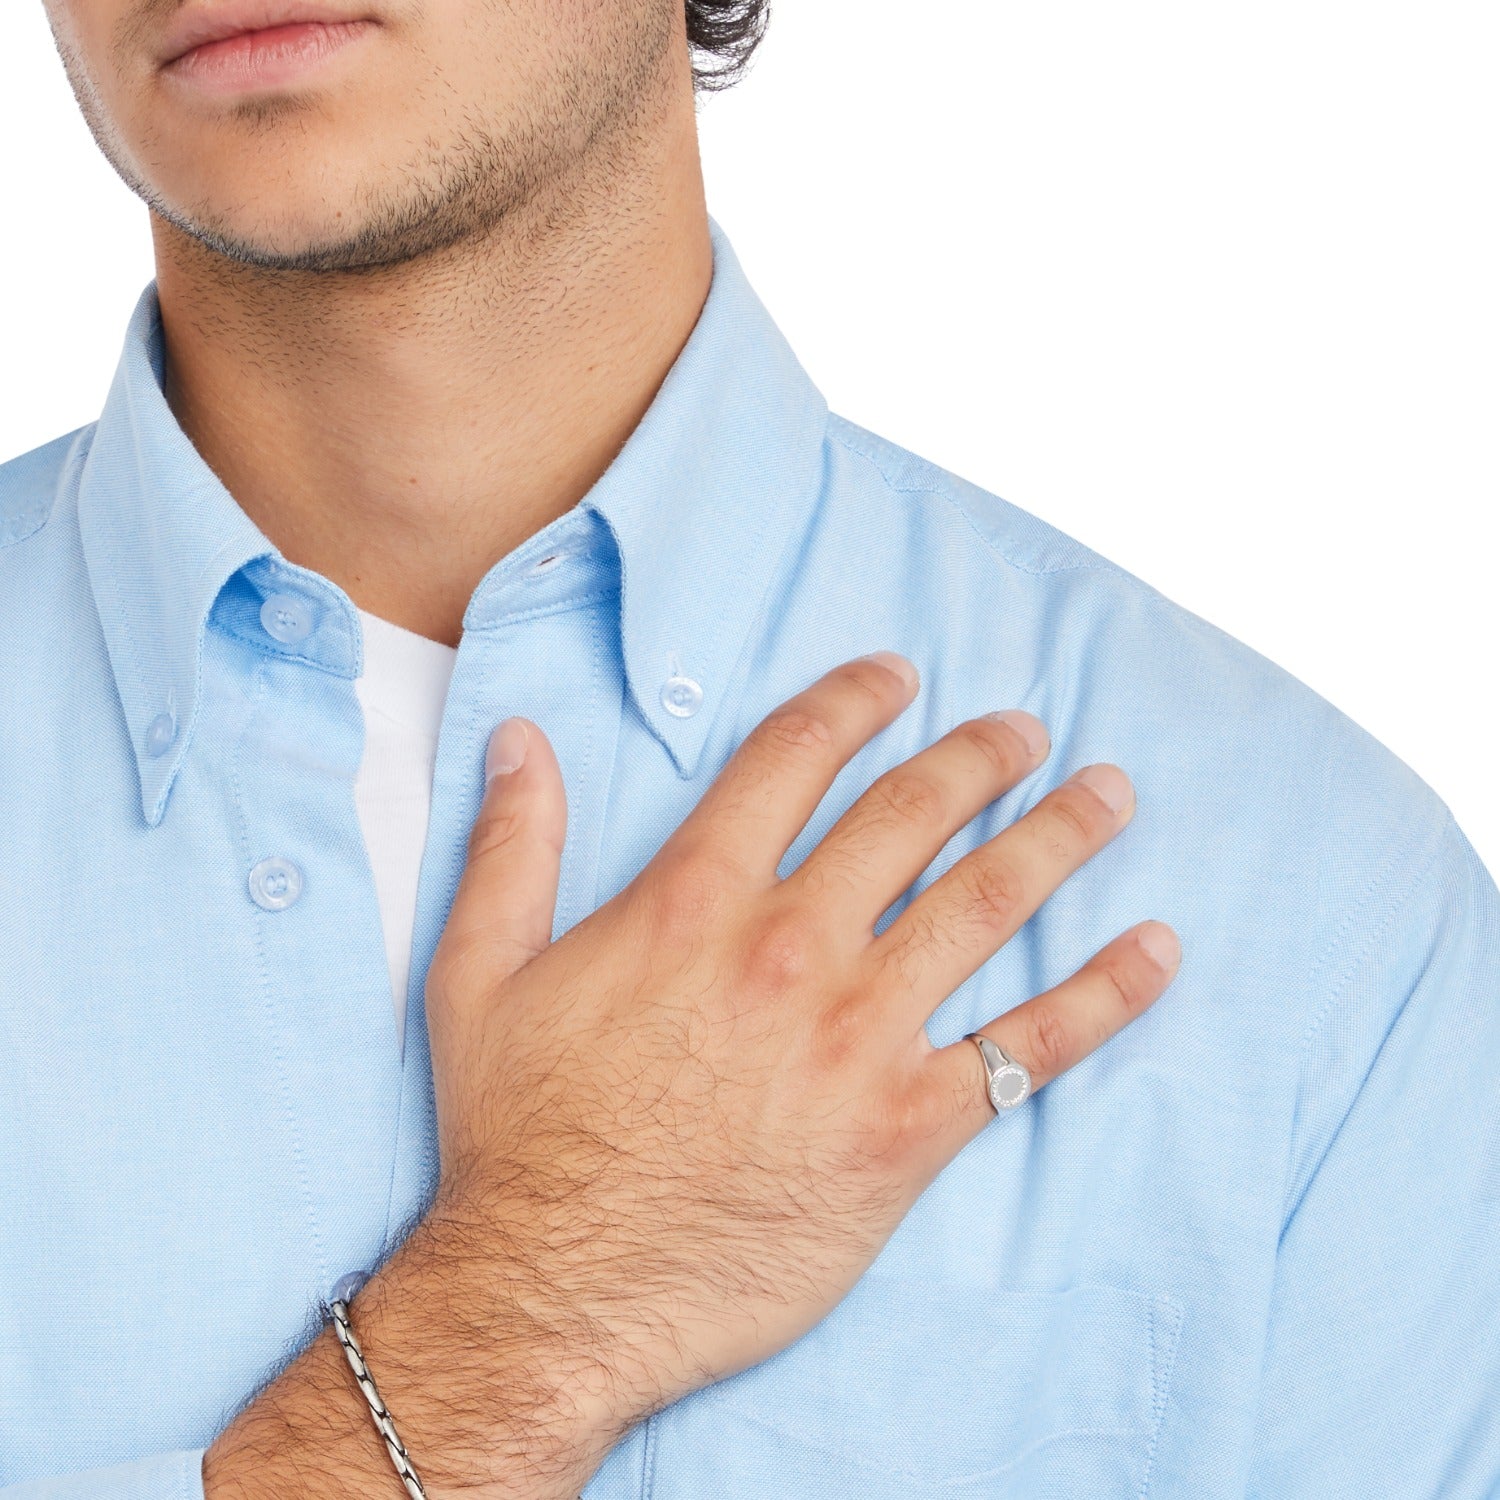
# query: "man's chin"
[[321, 238]]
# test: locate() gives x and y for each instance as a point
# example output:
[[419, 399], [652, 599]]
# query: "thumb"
[[506, 901]]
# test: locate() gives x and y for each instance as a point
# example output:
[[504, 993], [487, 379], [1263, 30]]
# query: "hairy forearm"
[[488, 1402]]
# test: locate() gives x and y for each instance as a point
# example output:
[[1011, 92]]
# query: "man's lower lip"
[[264, 59]]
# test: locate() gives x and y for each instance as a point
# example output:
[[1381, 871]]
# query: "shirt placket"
[[554, 660], [321, 990]]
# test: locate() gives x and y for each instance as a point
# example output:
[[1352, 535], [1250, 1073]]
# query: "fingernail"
[[898, 664], [1109, 784], [1028, 726], [507, 749], [1161, 945]]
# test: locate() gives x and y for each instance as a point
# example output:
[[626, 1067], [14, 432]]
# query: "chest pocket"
[[912, 1388]]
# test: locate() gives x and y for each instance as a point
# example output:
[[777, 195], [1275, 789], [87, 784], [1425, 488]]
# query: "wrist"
[[490, 1404], [300, 1437]]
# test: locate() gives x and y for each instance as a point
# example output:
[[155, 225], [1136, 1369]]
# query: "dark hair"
[[721, 35]]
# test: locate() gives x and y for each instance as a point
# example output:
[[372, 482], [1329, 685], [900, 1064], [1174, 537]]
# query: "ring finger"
[[1060, 1027]]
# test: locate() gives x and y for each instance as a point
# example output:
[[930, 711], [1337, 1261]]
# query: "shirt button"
[[275, 883], [160, 733], [287, 617], [681, 696]]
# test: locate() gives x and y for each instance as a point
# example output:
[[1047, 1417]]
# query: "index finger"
[[772, 784]]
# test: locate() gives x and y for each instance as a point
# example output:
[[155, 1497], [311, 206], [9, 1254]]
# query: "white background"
[[1211, 287]]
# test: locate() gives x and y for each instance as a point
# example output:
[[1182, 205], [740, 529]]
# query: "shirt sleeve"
[[1381, 1372], [161, 1476]]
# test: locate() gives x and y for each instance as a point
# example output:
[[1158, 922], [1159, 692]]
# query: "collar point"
[[158, 775], [153, 805], [684, 745]]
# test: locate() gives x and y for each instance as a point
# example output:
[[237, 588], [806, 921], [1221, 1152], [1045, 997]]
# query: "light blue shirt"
[[1250, 1247]]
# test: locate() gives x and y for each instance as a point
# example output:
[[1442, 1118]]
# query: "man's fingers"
[[1061, 1026], [970, 911], [772, 784], [503, 911], [894, 830]]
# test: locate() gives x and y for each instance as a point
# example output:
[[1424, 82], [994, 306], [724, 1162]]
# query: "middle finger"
[[895, 828], [978, 905]]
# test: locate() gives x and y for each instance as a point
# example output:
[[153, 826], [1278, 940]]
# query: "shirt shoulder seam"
[[1398, 898], [840, 430], [846, 434]]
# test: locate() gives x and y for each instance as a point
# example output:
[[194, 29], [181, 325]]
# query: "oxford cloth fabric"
[[1248, 1247]]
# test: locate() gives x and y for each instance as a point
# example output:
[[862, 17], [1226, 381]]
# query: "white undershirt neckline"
[[402, 693]]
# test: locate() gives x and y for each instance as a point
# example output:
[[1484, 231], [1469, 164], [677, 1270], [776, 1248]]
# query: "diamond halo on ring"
[[1007, 1082]]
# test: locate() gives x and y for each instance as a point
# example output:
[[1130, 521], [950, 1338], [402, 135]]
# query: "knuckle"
[[910, 799], [838, 1032], [1080, 813], [912, 1119], [830, 873], [495, 829], [796, 731], [871, 679], [779, 953], [993, 744], [1049, 1041], [992, 893], [1127, 995]]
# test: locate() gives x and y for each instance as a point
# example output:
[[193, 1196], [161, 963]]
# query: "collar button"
[[287, 618], [681, 696], [160, 733]]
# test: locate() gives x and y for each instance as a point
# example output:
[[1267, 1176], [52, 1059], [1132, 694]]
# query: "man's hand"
[[693, 1121], [672, 1140]]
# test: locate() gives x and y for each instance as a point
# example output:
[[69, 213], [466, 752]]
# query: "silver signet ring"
[[1008, 1083]]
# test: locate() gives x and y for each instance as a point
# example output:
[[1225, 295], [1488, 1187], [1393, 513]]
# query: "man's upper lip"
[[197, 25]]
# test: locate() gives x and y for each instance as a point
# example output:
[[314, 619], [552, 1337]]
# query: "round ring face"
[[1009, 1086]]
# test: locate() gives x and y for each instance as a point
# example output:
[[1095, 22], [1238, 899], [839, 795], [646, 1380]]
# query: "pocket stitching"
[[1147, 1431], [916, 1477], [1160, 1389]]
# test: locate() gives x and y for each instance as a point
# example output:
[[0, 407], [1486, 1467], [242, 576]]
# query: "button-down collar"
[[719, 476]]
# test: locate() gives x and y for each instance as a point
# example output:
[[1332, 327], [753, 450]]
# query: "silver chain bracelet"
[[338, 1306], [344, 1288]]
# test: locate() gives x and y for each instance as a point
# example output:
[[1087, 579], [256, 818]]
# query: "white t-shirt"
[[402, 692]]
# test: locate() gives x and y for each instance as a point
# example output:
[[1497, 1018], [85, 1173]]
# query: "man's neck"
[[402, 430]]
